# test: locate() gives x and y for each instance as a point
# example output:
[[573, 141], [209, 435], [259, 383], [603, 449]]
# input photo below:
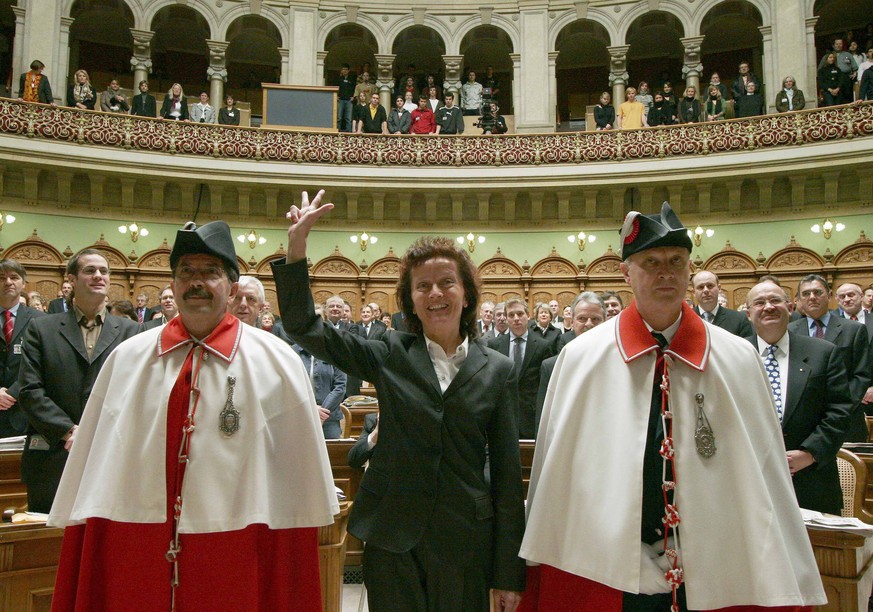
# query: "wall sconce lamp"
[[363, 239], [581, 239], [698, 233], [252, 238], [471, 240], [134, 230], [827, 227]]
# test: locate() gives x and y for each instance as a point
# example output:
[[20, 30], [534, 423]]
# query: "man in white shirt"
[[486, 319], [202, 112], [471, 95], [849, 298]]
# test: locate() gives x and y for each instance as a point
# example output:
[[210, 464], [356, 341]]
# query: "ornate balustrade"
[[145, 134]]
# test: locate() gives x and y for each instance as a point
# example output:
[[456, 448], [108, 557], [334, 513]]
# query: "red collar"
[[690, 344], [222, 342]]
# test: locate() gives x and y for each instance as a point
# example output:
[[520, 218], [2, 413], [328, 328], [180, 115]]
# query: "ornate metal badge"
[[228, 420], [704, 438]]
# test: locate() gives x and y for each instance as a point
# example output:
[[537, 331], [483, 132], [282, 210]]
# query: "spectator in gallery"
[[471, 95], [358, 112], [365, 86], [202, 111], [407, 85], [715, 80], [490, 84], [345, 84], [690, 109], [375, 119], [863, 66], [604, 113], [865, 91], [492, 122], [449, 119], [845, 61], [751, 104], [112, 100], [833, 82], [408, 102], [81, 93], [630, 113], [789, 97], [430, 82], [434, 99], [229, 113], [713, 110], [857, 55], [661, 113], [33, 86], [670, 98], [175, 106], [144, 104], [422, 120], [644, 96], [739, 88], [399, 119]]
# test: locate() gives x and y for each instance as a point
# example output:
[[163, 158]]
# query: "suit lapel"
[[107, 337], [834, 329], [475, 361], [24, 315], [420, 360], [534, 340], [798, 373], [70, 330]]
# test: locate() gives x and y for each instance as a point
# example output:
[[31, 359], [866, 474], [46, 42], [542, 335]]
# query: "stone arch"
[[582, 66], [656, 53], [489, 45], [201, 7], [761, 6], [499, 22], [678, 10], [363, 21], [350, 43], [176, 58], [252, 58], [836, 17], [100, 42], [732, 36], [442, 35], [597, 16], [267, 13]]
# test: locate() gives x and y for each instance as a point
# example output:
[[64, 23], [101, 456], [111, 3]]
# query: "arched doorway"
[[843, 19], [7, 36], [732, 36], [100, 43], [179, 50], [350, 44], [582, 67], [252, 58], [419, 49], [656, 54], [485, 46]]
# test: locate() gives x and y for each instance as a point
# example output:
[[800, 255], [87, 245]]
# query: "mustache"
[[196, 292]]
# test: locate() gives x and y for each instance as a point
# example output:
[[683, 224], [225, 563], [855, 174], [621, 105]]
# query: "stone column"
[[18, 62], [303, 20], [769, 69], [533, 85], [454, 78], [319, 67], [811, 86], [385, 79], [618, 75], [216, 72], [692, 68], [141, 62], [64, 68], [516, 81], [553, 89], [285, 69]]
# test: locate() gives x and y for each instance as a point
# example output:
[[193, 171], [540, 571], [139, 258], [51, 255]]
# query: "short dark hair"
[[125, 308], [611, 294], [429, 247], [811, 278], [73, 264], [143, 82], [345, 65], [203, 91], [36, 65], [10, 265]]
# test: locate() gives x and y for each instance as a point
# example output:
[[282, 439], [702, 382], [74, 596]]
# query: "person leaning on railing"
[[81, 93]]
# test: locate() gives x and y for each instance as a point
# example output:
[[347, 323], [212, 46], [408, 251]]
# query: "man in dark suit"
[[144, 104], [501, 325], [528, 349], [361, 452], [851, 338], [398, 321], [706, 290], [62, 356], [485, 324], [369, 330], [849, 297], [61, 304], [811, 392], [168, 309], [334, 307], [13, 277], [142, 310]]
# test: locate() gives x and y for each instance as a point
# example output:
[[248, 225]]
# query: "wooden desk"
[[13, 493], [844, 562], [29, 557], [867, 509], [331, 559], [348, 479]]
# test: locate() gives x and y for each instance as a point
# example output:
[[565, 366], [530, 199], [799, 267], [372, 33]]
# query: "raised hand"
[[301, 220]]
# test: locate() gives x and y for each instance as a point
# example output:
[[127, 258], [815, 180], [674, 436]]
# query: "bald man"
[[706, 290]]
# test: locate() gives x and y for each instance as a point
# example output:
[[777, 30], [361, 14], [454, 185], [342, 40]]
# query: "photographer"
[[492, 122]]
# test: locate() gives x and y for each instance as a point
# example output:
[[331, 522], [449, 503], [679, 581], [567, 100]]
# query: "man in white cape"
[[659, 479], [199, 474]]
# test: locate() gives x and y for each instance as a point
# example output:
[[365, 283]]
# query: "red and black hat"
[[641, 232]]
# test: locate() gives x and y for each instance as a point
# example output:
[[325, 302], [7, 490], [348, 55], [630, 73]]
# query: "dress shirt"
[[90, 333], [446, 366], [824, 321], [712, 314], [523, 344], [670, 331], [14, 310], [781, 355]]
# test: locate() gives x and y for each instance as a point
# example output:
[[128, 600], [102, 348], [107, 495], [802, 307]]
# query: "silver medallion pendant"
[[704, 438], [228, 420]]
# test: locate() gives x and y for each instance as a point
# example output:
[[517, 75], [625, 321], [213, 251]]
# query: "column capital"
[[385, 71], [142, 50], [321, 56], [553, 57], [809, 21], [691, 64], [20, 12], [766, 31], [66, 22], [692, 41], [141, 37], [619, 51], [618, 74], [515, 58], [453, 75], [217, 49]]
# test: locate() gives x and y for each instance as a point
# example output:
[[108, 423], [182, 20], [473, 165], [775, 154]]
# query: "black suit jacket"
[[426, 479], [546, 369], [166, 107], [56, 306], [398, 321], [733, 321], [43, 91], [13, 422], [144, 105], [353, 383], [359, 454], [816, 415], [55, 381], [537, 350], [851, 339]]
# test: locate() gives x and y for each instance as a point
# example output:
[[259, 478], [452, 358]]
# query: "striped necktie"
[[8, 326]]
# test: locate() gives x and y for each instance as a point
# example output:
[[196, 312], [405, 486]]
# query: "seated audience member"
[[715, 81], [740, 86], [144, 104], [123, 308], [670, 98], [375, 120], [229, 113], [661, 113], [789, 98], [365, 86], [202, 111], [399, 119], [713, 110], [33, 85], [613, 303], [434, 99], [81, 94], [112, 100], [630, 113], [492, 122], [408, 102], [175, 106], [604, 113], [644, 96], [422, 120], [358, 112], [751, 104], [833, 82], [471, 95], [690, 109], [430, 83], [449, 119]]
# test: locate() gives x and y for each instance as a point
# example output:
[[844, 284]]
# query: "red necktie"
[[8, 326], [854, 317], [819, 329], [139, 314]]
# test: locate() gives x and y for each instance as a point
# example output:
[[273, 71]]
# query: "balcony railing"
[[145, 134]]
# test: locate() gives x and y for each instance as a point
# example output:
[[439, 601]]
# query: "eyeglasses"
[[774, 301], [211, 273], [808, 292]]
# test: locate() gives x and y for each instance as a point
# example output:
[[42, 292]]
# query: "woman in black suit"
[[81, 94], [439, 533], [229, 114], [175, 106]]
